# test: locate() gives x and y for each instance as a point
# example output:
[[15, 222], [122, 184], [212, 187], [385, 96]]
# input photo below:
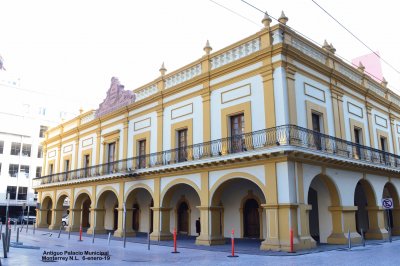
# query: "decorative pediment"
[[116, 98]]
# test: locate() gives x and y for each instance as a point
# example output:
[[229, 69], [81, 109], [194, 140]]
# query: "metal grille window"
[[25, 169], [22, 192], [26, 150], [40, 151], [13, 170], [13, 191], [38, 171], [15, 148], [1, 146]]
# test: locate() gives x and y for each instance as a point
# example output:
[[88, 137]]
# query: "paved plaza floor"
[[46, 247]]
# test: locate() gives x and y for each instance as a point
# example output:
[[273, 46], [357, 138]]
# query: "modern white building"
[[24, 117]]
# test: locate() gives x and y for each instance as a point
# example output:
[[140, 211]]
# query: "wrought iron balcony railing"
[[287, 135]]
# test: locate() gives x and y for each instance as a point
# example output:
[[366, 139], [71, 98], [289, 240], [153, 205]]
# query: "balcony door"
[[110, 157], [317, 128], [142, 154], [182, 145], [236, 134]]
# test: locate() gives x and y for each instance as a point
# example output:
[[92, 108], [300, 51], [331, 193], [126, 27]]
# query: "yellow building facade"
[[268, 135]]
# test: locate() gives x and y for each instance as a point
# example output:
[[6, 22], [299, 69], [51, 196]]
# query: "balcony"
[[282, 138]]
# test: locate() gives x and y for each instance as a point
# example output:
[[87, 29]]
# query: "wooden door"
[[237, 130], [135, 217], [85, 213], [183, 218], [251, 219]]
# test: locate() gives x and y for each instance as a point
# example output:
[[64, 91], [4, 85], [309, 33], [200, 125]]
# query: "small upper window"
[[15, 148], [1, 146], [43, 129], [26, 150]]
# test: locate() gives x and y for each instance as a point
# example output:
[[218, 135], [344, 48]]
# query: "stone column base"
[[155, 236], [298, 244], [42, 226], [376, 234], [120, 233], [210, 241], [269, 244], [98, 231], [54, 227], [342, 238]]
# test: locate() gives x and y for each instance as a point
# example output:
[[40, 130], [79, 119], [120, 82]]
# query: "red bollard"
[[175, 251], [233, 245], [291, 241], [80, 233]]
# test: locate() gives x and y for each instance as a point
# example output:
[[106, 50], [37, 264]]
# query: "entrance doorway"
[[183, 218], [251, 219], [313, 215], [135, 217]]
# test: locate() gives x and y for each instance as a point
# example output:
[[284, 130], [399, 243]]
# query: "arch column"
[[56, 219], [128, 224], [42, 221], [376, 219], [163, 233], [97, 224], [343, 220], [304, 233], [74, 222]]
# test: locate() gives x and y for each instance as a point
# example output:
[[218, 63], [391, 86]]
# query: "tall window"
[[1, 146], [66, 165], [26, 150], [236, 134], [111, 157], [182, 145], [317, 128], [86, 164], [38, 171], [15, 148], [13, 191], [358, 140], [13, 170], [43, 129], [383, 142], [51, 168], [25, 169], [66, 168], [142, 153], [40, 151], [22, 193]]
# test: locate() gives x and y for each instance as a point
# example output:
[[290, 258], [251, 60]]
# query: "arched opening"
[[107, 218], [236, 204], [62, 211], [392, 216], [181, 199], [363, 198], [47, 206], [251, 219], [138, 211], [321, 195], [183, 218], [81, 212]]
